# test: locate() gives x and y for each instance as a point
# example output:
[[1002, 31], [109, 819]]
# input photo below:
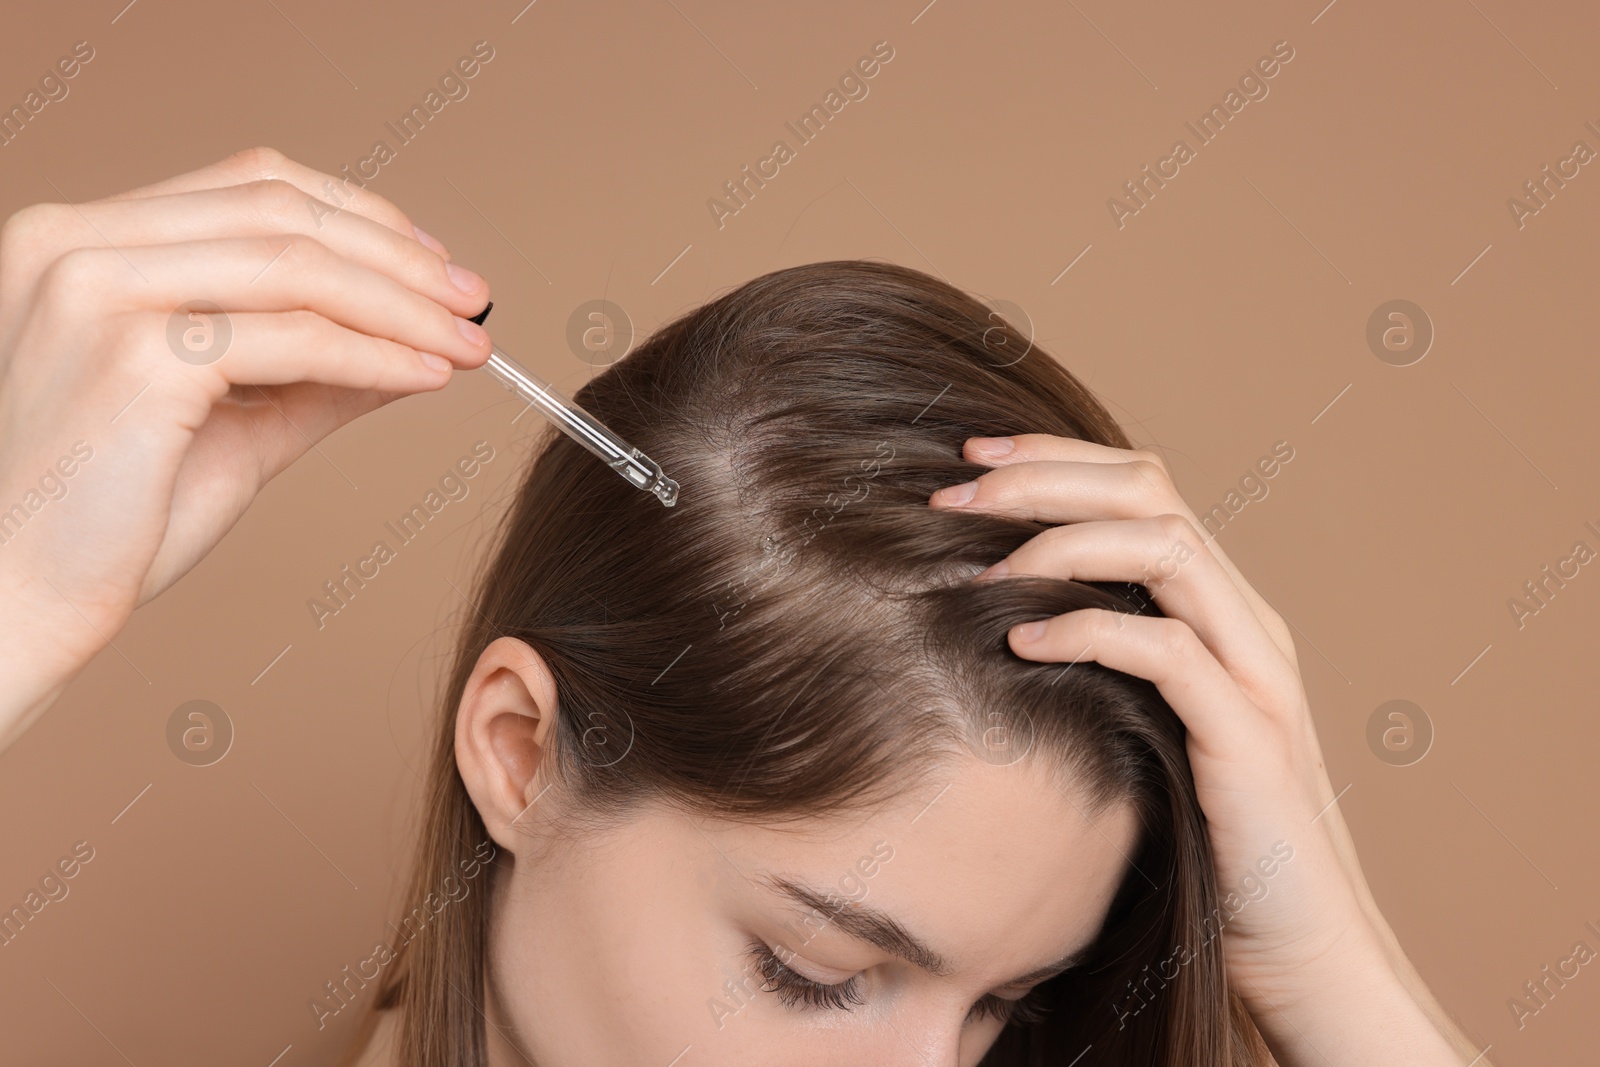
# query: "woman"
[[781, 775]]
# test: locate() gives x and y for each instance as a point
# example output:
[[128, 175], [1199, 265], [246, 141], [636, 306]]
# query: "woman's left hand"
[[1225, 661]]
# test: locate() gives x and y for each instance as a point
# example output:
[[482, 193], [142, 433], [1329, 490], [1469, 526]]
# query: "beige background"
[[1227, 315]]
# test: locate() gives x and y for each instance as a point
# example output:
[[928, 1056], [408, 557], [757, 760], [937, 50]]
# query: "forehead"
[[998, 868]]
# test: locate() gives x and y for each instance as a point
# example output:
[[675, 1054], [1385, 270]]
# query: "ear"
[[507, 711]]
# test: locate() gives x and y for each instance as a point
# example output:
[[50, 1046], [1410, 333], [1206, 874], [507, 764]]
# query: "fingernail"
[[435, 362], [998, 570], [465, 280], [992, 446], [956, 495], [1030, 631], [472, 331], [431, 241]]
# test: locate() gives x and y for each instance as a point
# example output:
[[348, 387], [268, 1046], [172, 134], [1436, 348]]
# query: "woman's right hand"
[[128, 447]]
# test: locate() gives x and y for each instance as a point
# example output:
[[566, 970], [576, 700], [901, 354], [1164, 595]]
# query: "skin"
[[1315, 952], [612, 952], [330, 321]]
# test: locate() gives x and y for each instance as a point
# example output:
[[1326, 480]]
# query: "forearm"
[[1467, 1051], [1366, 1006], [1401, 964]]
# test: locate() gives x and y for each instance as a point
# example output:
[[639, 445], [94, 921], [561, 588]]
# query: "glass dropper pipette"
[[639, 469]]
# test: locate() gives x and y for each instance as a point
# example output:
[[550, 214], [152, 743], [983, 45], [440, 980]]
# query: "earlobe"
[[503, 727]]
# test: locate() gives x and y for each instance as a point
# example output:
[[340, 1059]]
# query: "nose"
[[922, 1042]]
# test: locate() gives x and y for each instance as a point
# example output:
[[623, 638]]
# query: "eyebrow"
[[884, 931]]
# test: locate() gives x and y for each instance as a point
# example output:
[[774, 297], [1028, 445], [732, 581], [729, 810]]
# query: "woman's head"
[[777, 729]]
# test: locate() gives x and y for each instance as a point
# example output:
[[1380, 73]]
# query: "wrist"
[[1340, 951], [1348, 1003], [36, 662]]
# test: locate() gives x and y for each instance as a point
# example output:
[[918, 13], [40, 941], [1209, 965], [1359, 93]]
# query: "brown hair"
[[797, 637]]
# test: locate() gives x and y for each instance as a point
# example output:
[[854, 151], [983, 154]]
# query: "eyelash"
[[798, 992]]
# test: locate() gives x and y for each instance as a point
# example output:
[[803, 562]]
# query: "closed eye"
[[799, 993]]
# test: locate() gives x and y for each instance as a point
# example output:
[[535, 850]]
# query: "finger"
[[1028, 447], [255, 209], [281, 273], [280, 425], [1222, 721], [209, 494], [1157, 481], [1057, 491], [1153, 491], [339, 194], [1188, 583], [280, 348]]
